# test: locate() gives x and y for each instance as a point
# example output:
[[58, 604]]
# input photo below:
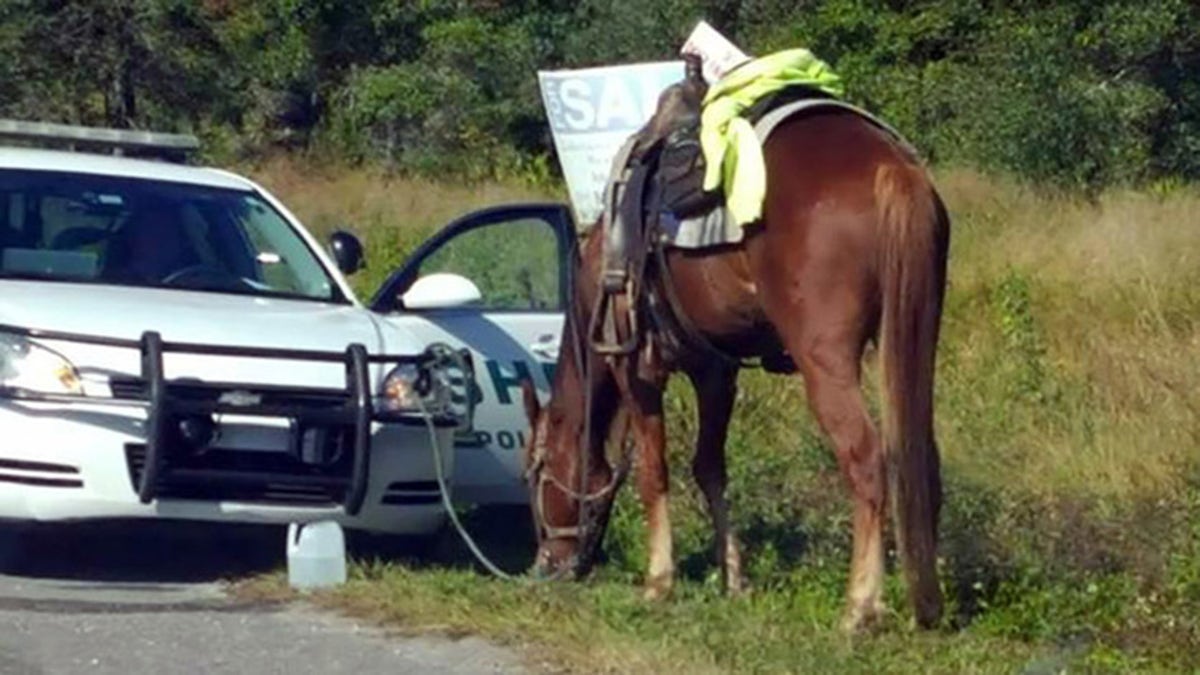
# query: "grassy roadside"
[[606, 627], [1068, 415]]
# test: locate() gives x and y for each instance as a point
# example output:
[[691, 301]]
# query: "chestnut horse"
[[851, 249]]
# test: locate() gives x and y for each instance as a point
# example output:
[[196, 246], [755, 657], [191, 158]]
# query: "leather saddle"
[[664, 170]]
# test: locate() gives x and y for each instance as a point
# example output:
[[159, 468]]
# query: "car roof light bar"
[[140, 142]]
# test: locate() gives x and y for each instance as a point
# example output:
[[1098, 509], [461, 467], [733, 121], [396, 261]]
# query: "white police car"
[[174, 344]]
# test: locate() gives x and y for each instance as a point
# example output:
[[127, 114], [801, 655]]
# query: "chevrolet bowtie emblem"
[[240, 398]]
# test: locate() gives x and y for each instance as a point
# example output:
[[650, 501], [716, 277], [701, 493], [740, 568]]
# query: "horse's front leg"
[[716, 389], [653, 488], [644, 401]]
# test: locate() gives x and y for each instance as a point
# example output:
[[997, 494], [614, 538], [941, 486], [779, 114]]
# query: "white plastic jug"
[[316, 555]]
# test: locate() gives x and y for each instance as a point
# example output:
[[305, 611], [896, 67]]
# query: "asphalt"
[[137, 598]]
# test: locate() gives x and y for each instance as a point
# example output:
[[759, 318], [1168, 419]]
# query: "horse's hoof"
[[657, 590], [863, 619], [654, 594]]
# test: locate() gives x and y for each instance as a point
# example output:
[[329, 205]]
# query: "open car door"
[[494, 282]]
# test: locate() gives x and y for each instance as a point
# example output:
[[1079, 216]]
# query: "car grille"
[[127, 387], [185, 479]]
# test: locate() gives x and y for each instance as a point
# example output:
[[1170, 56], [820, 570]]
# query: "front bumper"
[[73, 462], [278, 454]]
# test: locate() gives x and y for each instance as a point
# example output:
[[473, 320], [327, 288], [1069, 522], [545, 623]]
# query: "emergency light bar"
[[174, 147]]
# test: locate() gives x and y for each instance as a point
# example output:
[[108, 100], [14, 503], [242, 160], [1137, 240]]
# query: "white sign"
[[717, 54], [592, 112]]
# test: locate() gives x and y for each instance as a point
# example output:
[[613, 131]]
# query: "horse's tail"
[[915, 232]]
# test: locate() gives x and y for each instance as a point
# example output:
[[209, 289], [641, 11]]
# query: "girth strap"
[[682, 329]]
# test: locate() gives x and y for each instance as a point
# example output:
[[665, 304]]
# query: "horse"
[[851, 251]]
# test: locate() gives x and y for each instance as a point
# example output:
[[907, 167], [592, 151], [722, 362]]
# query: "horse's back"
[[816, 257], [822, 170]]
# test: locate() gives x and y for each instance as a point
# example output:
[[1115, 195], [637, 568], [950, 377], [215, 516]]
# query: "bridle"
[[539, 477]]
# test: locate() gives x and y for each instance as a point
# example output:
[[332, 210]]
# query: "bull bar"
[[346, 411]]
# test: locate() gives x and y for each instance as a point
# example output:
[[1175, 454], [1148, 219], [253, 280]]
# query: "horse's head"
[[570, 513]]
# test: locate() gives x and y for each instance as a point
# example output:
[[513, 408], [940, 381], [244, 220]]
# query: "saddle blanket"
[[718, 226]]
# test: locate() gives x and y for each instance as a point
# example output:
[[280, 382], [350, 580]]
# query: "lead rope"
[[447, 503], [439, 473], [582, 364]]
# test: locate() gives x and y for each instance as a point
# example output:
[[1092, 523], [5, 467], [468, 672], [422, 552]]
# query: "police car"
[[174, 344]]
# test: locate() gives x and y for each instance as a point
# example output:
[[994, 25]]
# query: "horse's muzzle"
[[546, 569]]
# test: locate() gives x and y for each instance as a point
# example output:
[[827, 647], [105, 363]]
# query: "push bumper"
[[300, 453]]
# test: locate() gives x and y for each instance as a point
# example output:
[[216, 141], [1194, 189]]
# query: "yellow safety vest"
[[732, 153]]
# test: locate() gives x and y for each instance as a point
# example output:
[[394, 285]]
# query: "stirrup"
[[605, 341]]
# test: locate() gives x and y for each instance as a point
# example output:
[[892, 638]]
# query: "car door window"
[[518, 256], [514, 263]]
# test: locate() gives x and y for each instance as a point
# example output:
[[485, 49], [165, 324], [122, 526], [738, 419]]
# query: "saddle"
[[671, 142], [662, 166], [659, 172]]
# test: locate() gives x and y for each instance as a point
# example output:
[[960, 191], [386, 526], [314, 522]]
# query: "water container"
[[316, 555]]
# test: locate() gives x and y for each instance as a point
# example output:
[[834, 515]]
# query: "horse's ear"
[[530, 399]]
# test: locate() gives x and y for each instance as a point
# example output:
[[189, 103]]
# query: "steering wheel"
[[202, 275]]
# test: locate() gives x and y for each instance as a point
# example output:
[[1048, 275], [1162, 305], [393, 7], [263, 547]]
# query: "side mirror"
[[441, 291], [347, 251]]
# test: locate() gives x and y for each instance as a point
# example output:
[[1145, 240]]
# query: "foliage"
[[78, 61], [1081, 93], [1078, 93]]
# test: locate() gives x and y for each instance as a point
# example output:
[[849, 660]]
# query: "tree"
[[121, 63]]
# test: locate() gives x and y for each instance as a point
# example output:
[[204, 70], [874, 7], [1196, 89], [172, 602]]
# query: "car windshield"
[[101, 229]]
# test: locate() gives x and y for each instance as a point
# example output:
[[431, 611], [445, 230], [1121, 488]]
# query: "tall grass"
[[1071, 343], [1068, 416]]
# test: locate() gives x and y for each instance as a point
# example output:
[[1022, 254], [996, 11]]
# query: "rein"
[[538, 476]]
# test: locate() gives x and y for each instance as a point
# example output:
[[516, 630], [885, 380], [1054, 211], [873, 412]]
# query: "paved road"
[[126, 599]]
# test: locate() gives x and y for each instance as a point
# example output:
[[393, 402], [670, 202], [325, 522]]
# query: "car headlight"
[[443, 385], [24, 364], [411, 388]]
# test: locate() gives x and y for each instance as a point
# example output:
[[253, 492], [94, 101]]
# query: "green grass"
[[606, 626], [786, 624], [1069, 420]]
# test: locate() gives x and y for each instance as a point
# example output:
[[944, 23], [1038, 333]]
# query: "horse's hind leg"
[[830, 365], [716, 388]]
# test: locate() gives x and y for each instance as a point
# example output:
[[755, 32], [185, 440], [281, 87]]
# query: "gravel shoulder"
[[125, 598]]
